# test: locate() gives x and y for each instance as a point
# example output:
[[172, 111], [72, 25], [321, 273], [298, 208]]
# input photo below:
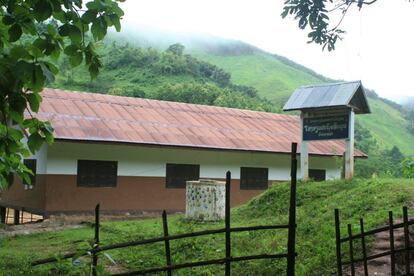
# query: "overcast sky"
[[377, 49]]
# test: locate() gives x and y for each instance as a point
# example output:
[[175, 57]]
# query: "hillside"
[[269, 80], [276, 80], [272, 78], [370, 199]]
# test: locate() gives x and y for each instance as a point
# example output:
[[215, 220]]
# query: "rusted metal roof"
[[104, 118], [338, 95]]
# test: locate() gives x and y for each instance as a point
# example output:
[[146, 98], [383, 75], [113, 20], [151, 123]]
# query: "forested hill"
[[162, 74], [233, 74]]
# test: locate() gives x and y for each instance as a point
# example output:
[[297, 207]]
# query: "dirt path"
[[382, 266]]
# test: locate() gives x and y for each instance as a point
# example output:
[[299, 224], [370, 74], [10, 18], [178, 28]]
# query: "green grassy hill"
[[370, 199], [275, 78], [388, 126], [271, 77]]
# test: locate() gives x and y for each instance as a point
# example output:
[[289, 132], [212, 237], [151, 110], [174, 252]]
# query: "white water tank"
[[205, 200]]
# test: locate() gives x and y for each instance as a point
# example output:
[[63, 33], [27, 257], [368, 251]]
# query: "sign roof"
[[329, 96]]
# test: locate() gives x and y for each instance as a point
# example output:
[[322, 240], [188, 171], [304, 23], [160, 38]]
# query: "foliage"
[[170, 62], [315, 14], [408, 167], [33, 34], [370, 199], [380, 162], [168, 75]]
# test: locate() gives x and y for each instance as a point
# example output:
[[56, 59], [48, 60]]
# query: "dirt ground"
[[37, 224]]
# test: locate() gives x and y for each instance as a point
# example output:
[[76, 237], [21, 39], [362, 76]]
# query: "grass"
[[388, 126], [371, 199], [272, 78]]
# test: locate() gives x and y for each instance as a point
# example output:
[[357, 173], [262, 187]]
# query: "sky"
[[376, 49]]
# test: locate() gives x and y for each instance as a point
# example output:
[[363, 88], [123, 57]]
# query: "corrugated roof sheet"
[[344, 94], [99, 117]]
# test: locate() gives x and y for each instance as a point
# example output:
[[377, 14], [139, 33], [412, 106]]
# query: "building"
[[132, 154]]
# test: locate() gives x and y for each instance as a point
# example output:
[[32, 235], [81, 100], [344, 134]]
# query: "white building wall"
[[135, 160], [40, 156]]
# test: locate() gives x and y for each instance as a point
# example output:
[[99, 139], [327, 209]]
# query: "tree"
[[33, 35], [314, 13], [408, 167], [176, 49]]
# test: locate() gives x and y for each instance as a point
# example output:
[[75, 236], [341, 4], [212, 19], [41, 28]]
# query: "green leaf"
[[51, 30], [75, 34], [34, 100], [16, 116], [115, 20], [37, 80], [71, 50], [98, 28], [18, 52], [50, 77], [34, 142], [64, 30], [42, 10], [93, 70], [8, 19], [89, 16], [72, 31], [76, 59], [15, 32]]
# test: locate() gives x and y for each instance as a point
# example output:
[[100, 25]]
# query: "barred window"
[[94, 173], [317, 175], [253, 178], [178, 174], [30, 164]]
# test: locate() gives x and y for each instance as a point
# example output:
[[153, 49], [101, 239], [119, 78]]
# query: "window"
[[317, 175], [93, 173], [253, 178], [30, 164], [178, 174]]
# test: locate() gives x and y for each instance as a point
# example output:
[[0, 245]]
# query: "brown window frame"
[[32, 165], [317, 171], [247, 182], [175, 181], [88, 169]]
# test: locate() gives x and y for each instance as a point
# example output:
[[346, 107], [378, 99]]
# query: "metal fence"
[[226, 260], [361, 237]]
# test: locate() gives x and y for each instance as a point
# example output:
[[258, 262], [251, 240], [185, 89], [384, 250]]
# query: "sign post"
[[328, 125], [328, 113], [304, 154], [349, 153]]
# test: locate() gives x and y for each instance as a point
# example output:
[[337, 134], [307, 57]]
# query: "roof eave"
[[190, 147]]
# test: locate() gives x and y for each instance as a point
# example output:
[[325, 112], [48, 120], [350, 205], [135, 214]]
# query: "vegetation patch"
[[371, 199]]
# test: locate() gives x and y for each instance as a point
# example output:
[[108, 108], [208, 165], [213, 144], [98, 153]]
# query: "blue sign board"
[[326, 128]]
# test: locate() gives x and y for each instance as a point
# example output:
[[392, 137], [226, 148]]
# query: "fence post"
[[392, 255], [16, 217], [167, 242], [292, 213], [351, 250], [96, 242], [227, 224], [364, 248], [2, 214], [407, 241], [338, 243]]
